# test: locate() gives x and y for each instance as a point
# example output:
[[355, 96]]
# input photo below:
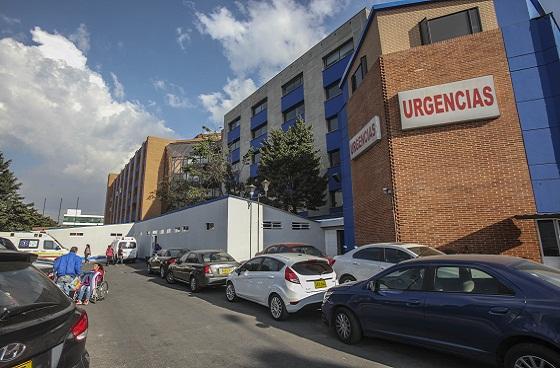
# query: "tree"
[[291, 163], [15, 215]]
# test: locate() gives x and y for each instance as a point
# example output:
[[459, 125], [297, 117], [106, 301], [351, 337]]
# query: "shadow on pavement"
[[308, 324]]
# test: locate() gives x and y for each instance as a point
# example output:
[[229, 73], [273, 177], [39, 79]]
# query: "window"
[[178, 229], [340, 52], [292, 84], [28, 244], [261, 106], [304, 249], [312, 268], [405, 279], [209, 226], [259, 131], [395, 255], [113, 234], [217, 257], [234, 145], [332, 124], [336, 199], [49, 244], [545, 273], [370, 254], [549, 238], [168, 231], [295, 112], [333, 90], [256, 159], [272, 225], [425, 251], [359, 74], [456, 279], [192, 258], [271, 265], [334, 158], [300, 225], [450, 26], [76, 234], [234, 124], [252, 265]]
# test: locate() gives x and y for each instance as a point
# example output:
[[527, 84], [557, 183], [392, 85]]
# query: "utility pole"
[[44, 204], [76, 213], [59, 209]]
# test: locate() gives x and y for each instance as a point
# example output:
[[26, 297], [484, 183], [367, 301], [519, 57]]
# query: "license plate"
[[320, 284], [28, 364], [225, 271]]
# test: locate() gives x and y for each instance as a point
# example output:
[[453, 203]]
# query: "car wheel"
[[277, 308], [169, 277], [231, 296], [531, 356], [346, 278], [195, 287], [162, 272], [346, 326]]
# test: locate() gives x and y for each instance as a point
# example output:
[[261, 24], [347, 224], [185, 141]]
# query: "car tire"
[[231, 296], [277, 308], [346, 326], [531, 355], [162, 272], [195, 287], [346, 278], [169, 277]]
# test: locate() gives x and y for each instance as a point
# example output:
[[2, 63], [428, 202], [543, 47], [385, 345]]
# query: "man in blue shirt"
[[66, 268]]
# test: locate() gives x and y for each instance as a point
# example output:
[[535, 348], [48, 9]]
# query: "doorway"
[[549, 235]]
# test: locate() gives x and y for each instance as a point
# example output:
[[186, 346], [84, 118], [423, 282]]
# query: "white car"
[[368, 260], [284, 282], [128, 245]]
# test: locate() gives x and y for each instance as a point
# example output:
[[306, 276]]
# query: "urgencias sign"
[[468, 100], [366, 137]]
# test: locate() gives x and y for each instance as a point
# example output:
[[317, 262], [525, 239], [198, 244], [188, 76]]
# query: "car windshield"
[[312, 268], [22, 285], [175, 253], [545, 273], [425, 251], [306, 249], [218, 257]]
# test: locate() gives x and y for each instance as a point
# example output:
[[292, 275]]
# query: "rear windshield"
[[22, 285], [545, 273], [125, 245], [312, 268], [312, 251], [175, 253], [425, 251], [217, 257]]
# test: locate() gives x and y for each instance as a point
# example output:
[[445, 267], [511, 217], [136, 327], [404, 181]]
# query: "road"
[[146, 323]]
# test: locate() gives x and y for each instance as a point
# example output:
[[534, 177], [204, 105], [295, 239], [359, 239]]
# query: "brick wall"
[[154, 169]]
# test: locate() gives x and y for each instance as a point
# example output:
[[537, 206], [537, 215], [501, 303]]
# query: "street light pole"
[[251, 193]]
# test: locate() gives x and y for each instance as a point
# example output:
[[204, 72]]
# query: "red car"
[[295, 248]]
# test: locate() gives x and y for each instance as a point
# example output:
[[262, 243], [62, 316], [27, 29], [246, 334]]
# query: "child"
[[109, 254], [88, 284]]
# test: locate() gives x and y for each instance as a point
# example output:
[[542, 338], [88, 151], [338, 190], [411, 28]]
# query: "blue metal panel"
[[333, 106], [545, 172], [234, 134], [258, 119], [257, 142], [547, 195], [334, 140], [235, 156], [334, 72], [292, 98], [335, 178], [536, 114], [288, 124], [544, 145], [346, 173], [254, 170]]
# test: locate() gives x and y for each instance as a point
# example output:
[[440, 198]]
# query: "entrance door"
[[549, 232]]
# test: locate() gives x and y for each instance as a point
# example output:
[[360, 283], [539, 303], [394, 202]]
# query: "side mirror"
[[373, 286]]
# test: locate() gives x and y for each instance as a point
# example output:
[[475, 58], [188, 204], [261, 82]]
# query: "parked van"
[[44, 245], [128, 244]]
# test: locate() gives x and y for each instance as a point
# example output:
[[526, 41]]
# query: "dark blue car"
[[498, 309]]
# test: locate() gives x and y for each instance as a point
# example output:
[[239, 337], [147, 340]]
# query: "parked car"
[[494, 308], [43, 264], [39, 325], [201, 268], [128, 245], [285, 283], [294, 248], [160, 261], [365, 261]]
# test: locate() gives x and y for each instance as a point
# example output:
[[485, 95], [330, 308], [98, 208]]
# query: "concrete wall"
[[244, 237]]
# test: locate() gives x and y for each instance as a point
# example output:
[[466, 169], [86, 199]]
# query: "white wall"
[[244, 237]]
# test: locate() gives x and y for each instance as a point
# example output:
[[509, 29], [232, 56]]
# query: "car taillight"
[[171, 261], [291, 276], [331, 260], [80, 328], [207, 270]]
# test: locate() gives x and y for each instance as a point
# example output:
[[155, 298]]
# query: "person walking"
[[87, 253], [110, 255], [66, 269], [120, 255]]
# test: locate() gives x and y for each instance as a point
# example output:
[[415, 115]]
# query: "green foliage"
[[291, 163], [15, 215]]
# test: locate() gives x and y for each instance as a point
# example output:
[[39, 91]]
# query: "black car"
[[39, 325], [160, 261]]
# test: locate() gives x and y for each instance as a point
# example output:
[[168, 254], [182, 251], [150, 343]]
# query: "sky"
[[82, 83]]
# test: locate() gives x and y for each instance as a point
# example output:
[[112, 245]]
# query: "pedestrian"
[[157, 248], [87, 253], [66, 269], [109, 255], [88, 284], [120, 255]]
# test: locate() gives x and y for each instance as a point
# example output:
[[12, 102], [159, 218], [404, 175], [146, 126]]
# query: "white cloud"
[[81, 38], [9, 20], [218, 103], [174, 95], [177, 102], [183, 37], [56, 108], [118, 88]]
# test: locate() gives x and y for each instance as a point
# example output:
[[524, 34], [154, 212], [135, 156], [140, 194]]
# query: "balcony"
[[258, 119], [293, 98], [334, 140], [335, 71], [335, 178], [234, 134], [254, 170], [334, 105], [235, 155], [257, 142], [288, 124]]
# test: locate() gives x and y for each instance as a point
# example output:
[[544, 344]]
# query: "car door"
[[264, 279], [367, 262], [179, 267], [393, 305], [475, 301], [191, 265], [244, 281]]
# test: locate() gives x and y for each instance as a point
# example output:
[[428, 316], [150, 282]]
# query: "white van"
[[128, 244], [44, 245]]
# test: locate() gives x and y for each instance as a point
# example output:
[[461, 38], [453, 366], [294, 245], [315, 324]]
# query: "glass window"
[[395, 255], [333, 90], [7, 244], [261, 106], [294, 112], [425, 251], [549, 238], [192, 258], [450, 26], [334, 158], [332, 124], [271, 250], [252, 265], [260, 131], [217, 257], [257, 157], [271, 265], [312, 268], [359, 74], [292, 84], [234, 124], [337, 199], [339, 53], [49, 244], [209, 225], [371, 254], [28, 244], [234, 145], [405, 279], [457, 279], [545, 273], [306, 249]]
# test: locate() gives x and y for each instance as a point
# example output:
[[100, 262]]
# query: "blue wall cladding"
[[258, 119], [335, 71], [234, 134], [334, 140], [291, 99], [235, 155], [333, 106], [257, 142]]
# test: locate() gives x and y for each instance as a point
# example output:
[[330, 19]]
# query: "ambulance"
[[44, 245], [128, 245]]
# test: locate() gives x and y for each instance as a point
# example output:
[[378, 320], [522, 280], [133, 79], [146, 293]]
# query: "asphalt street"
[[146, 323]]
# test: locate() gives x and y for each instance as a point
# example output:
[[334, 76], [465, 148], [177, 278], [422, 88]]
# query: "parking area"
[[146, 323]]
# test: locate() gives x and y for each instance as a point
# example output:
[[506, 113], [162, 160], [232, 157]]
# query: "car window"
[[270, 250], [539, 271], [312, 251], [458, 279], [173, 253], [425, 251], [253, 264], [370, 254], [7, 244], [405, 279], [217, 257], [122, 244], [184, 258], [131, 245], [192, 258], [48, 244], [28, 244], [271, 265], [395, 255], [312, 268]]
